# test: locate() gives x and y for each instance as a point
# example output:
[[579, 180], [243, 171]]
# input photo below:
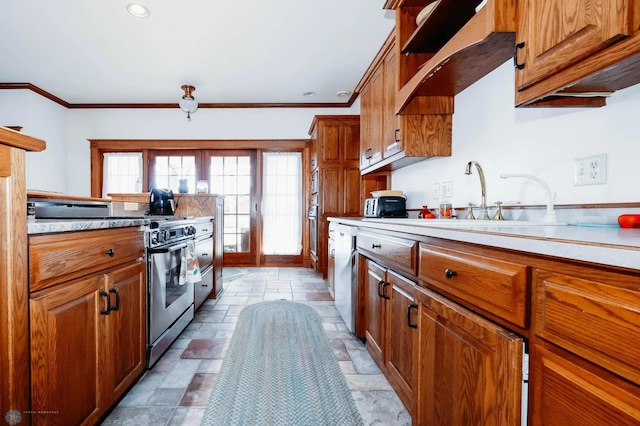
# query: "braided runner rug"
[[280, 370]]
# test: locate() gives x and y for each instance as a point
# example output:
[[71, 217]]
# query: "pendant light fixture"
[[188, 103]]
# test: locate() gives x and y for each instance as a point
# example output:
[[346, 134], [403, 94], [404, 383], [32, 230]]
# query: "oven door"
[[168, 298]]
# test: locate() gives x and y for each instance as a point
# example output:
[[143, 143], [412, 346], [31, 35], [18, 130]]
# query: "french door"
[[232, 173]]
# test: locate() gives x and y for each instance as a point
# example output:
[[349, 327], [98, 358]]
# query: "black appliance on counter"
[[161, 202], [388, 206]]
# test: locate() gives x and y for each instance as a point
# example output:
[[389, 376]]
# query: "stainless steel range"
[[170, 295]]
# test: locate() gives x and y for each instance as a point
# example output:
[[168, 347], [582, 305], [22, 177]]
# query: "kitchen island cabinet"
[[87, 322], [14, 310]]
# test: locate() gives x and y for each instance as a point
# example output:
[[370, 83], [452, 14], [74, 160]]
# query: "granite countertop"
[[47, 226], [605, 246]]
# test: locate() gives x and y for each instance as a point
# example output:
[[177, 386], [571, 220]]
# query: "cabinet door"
[[331, 266], [391, 143], [566, 390], [402, 333], [469, 370], [375, 333], [558, 33], [125, 329], [67, 353], [373, 120]]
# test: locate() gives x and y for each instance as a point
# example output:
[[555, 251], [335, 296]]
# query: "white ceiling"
[[234, 51]]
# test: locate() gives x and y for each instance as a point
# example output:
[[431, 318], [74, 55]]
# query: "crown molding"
[[41, 92]]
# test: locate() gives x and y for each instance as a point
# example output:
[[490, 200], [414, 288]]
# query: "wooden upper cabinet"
[[558, 33], [574, 53], [372, 121]]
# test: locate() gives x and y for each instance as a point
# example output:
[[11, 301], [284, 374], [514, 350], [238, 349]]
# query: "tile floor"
[[176, 390]]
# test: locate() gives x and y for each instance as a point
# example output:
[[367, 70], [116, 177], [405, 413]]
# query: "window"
[[282, 203], [122, 173]]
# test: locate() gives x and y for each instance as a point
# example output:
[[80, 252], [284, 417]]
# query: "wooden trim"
[[20, 140], [318, 118], [41, 92], [121, 145]]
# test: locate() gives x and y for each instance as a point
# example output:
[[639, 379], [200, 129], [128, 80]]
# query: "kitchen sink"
[[463, 223]]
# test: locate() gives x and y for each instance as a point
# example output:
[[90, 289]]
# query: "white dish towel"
[[189, 267]]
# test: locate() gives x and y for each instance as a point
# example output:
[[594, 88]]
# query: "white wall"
[[235, 123], [539, 141], [43, 119]]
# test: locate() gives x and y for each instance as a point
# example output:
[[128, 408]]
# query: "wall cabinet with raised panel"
[[335, 178]]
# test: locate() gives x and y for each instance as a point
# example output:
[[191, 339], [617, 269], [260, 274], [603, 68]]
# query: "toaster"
[[391, 206]]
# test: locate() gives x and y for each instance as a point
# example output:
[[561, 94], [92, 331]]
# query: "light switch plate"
[[447, 189], [435, 192]]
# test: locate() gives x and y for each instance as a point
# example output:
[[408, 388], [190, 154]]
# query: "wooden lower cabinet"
[[125, 331], [84, 355], [468, 370], [389, 333], [567, 390]]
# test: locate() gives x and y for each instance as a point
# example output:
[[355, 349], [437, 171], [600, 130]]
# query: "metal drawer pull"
[[373, 246], [449, 273], [412, 306], [110, 252], [117, 306], [380, 294]]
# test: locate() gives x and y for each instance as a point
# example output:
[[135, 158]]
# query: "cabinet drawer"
[[60, 257], [401, 253], [495, 285], [204, 253], [594, 314]]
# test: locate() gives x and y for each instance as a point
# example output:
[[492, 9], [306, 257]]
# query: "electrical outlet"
[[447, 189], [435, 192], [590, 170]]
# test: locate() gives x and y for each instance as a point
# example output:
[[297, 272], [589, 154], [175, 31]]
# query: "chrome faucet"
[[482, 213], [550, 217]]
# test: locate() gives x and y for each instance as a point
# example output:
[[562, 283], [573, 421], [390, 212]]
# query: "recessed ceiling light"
[[137, 10], [343, 93], [308, 94]]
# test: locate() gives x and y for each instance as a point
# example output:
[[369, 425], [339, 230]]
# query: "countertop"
[[604, 246], [46, 226]]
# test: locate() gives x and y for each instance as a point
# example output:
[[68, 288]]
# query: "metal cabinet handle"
[[110, 252], [515, 56], [373, 246], [384, 293], [449, 273], [380, 289], [106, 296], [396, 138], [412, 306], [117, 305]]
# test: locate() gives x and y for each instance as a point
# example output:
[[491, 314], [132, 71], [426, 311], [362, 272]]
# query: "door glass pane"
[[231, 177]]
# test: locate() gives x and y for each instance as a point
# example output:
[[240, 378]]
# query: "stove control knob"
[[190, 230], [154, 237]]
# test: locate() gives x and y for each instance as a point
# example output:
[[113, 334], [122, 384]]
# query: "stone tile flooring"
[[176, 390]]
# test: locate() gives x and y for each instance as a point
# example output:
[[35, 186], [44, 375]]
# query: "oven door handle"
[[167, 249]]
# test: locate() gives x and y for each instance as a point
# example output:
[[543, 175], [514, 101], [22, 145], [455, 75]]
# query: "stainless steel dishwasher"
[[346, 273]]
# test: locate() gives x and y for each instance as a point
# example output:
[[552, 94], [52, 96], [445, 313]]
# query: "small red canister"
[[629, 220]]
